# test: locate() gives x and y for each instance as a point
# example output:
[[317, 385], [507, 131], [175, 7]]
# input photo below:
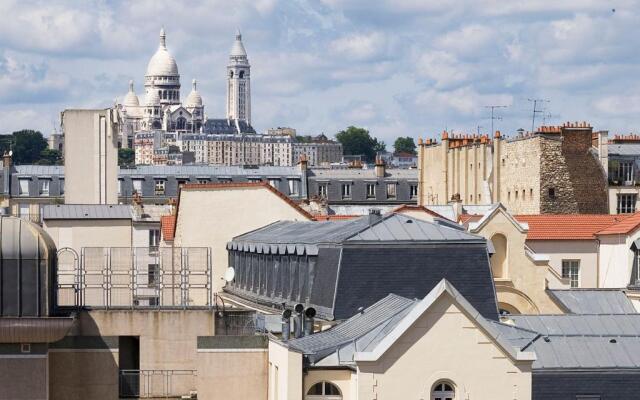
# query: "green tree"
[[126, 157], [27, 146], [50, 157], [405, 145], [356, 141]]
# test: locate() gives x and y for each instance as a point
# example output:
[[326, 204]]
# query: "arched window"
[[324, 391], [499, 258], [241, 74], [231, 74], [443, 390]]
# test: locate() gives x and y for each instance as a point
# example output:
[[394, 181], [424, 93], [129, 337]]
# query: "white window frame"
[[294, 187], [438, 393], [346, 190], [23, 186], [137, 186], [159, 186], [371, 190], [413, 192], [274, 183], [392, 190], [323, 190], [44, 184], [324, 396], [626, 203], [571, 271], [625, 172]]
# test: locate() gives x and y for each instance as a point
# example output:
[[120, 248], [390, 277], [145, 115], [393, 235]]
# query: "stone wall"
[[520, 174], [572, 179]]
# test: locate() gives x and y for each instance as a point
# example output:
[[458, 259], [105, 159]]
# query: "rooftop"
[[593, 301], [86, 211]]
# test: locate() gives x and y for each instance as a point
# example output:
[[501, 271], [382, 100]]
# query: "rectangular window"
[[154, 238], [371, 190], [119, 187], [571, 271], [626, 203], [294, 187], [274, 183], [24, 187], [625, 172], [44, 187], [323, 190], [137, 186], [346, 190], [159, 186], [413, 192], [61, 183], [391, 190], [153, 276]]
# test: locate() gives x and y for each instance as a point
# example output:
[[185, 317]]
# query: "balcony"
[[156, 384]]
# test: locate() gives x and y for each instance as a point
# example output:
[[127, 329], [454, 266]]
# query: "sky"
[[396, 67]]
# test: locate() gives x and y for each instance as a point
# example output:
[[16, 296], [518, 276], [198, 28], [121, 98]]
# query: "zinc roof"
[[594, 301], [86, 211], [624, 149]]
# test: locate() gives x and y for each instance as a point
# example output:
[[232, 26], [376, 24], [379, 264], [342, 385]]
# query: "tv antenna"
[[493, 116], [536, 110]]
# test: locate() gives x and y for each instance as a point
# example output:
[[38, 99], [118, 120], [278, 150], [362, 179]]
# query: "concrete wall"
[[23, 376], [212, 217], [89, 233], [285, 373], [78, 374], [402, 373], [586, 251], [90, 156], [616, 260]]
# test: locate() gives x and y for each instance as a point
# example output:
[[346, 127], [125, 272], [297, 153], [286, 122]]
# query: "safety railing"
[[146, 384], [138, 277]]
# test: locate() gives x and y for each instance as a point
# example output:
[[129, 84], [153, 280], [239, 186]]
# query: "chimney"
[[6, 173], [309, 315], [456, 203], [286, 324], [303, 164], [374, 215], [298, 320], [379, 167]]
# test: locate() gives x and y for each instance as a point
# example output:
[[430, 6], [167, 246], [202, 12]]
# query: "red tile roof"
[[567, 226], [467, 218], [625, 226], [168, 226]]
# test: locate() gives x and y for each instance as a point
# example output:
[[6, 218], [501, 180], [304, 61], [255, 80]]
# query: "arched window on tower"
[[241, 74], [231, 74]]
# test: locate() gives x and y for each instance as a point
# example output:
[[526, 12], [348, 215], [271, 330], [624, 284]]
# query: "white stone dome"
[[152, 98], [131, 100], [162, 63], [194, 99]]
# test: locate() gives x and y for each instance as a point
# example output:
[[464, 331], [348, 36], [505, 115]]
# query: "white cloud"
[[363, 46], [443, 68]]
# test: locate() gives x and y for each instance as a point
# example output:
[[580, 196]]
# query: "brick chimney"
[[379, 167], [303, 164]]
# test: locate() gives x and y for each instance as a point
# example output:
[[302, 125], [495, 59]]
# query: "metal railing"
[[154, 383], [138, 277]]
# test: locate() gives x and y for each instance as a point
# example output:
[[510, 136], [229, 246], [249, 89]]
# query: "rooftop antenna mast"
[[536, 110], [493, 116]]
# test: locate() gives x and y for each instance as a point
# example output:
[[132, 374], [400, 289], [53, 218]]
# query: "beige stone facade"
[[553, 171]]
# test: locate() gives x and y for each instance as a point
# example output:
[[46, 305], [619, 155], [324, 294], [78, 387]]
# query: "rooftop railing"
[[134, 277]]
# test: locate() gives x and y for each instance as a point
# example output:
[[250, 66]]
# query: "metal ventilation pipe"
[[298, 320], [286, 325], [309, 315]]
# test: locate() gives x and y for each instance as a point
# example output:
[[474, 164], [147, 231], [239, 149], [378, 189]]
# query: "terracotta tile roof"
[[237, 185], [567, 226], [413, 207], [468, 218], [335, 217], [168, 226], [626, 225]]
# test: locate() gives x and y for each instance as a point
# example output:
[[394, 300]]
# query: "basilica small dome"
[[162, 63], [152, 98], [194, 99], [131, 100]]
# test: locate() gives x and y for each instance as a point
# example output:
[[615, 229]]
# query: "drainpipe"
[[309, 315]]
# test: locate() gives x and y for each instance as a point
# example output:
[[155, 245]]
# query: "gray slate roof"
[[594, 301], [355, 173], [624, 149], [46, 170], [206, 170], [362, 331], [570, 324], [304, 237], [86, 211]]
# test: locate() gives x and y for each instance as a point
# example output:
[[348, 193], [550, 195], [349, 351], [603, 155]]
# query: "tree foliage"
[[50, 157], [126, 157], [358, 141], [405, 145], [27, 145]]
